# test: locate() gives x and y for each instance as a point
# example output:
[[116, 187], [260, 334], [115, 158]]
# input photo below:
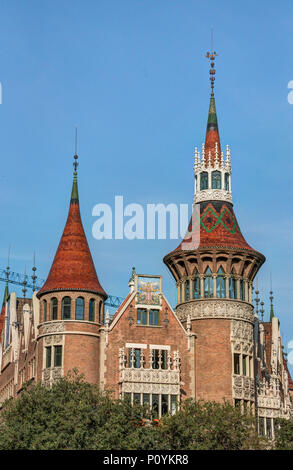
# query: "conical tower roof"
[[73, 267]]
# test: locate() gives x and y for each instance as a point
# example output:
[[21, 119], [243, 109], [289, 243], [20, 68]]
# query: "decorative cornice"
[[216, 309], [213, 195]]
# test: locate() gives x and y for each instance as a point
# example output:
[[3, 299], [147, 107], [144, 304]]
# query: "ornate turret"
[[72, 303], [214, 268], [73, 267]]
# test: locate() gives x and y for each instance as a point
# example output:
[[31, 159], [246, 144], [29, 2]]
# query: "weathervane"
[[212, 55], [75, 163]]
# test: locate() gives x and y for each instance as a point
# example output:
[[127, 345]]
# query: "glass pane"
[[164, 359], [204, 180], [216, 180], [269, 427], [138, 317], [151, 317], [146, 399], [57, 356], [261, 426], [187, 289], [155, 405], [173, 404], [66, 308], [221, 284], [137, 358], [79, 309], [227, 181], [244, 360], [156, 317], [155, 357], [136, 398], [48, 356], [54, 308], [127, 396], [144, 317], [164, 406], [242, 290], [237, 364], [45, 310], [196, 288], [92, 310]]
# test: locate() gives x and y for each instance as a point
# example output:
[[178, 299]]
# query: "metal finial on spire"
[[34, 277], [75, 163], [257, 299], [211, 56], [262, 310], [7, 272]]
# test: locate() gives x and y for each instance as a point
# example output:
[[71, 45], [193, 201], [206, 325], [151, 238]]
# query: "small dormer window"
[[216, 180], [204, 180]]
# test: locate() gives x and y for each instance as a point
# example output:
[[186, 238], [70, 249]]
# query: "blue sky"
[[132, 75]]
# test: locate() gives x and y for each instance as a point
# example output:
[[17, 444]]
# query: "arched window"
[[79, 308], [242, 291], [204, 180], [216, 180], [187, 290], [66, 308], [54, 308], [92, 310], [196, 286], [232, 287], [227, 181], [101, 320], [208, 283], [45, 310], [221, 284]]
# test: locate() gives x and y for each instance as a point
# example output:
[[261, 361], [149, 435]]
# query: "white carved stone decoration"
[[215, 308]]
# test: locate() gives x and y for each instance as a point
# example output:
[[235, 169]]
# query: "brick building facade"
[[213, 346]]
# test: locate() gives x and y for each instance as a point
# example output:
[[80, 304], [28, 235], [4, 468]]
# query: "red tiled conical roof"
[[73, 267], [215, 226]]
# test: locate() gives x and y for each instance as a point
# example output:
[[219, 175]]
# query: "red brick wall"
[[123, 333], [213, 359]]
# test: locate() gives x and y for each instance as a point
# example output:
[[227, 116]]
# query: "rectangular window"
[[164, 354], [127, 396], [196, 288], [155, 404], [136, 398], [237, 403], [57, 356], [155, 358], [237, 364], [187, 290], [244, 365], [146, 399], [134, 358], [164, 405], [173, 404], [269, 428], [154, 317], [48, 356], [261, 426]]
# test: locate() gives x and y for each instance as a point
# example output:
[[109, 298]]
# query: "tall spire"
[[212, 141], [73, 267]]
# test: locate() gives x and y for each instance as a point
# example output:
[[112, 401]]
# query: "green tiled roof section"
[[212, 118], [74, 192]]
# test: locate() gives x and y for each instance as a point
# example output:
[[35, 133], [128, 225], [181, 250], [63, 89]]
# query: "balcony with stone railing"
[[162, 377]]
